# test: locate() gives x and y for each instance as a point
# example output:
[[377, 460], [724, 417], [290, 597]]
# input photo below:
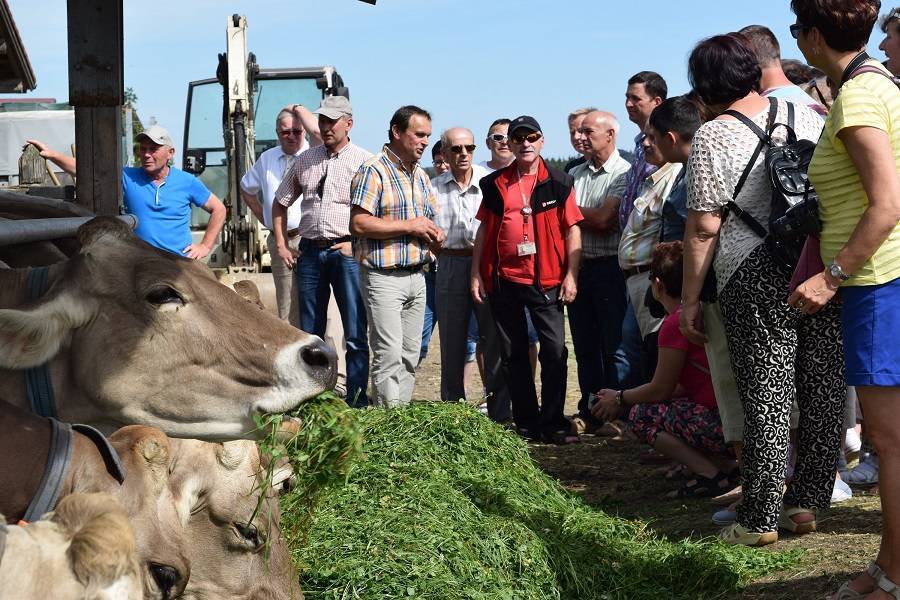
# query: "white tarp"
[[56, 128]]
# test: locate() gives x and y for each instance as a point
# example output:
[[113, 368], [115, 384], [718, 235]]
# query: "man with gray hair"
[[258, 187], [322, 177], [595, 317], [160, 196], [574, 120], [458, 194]]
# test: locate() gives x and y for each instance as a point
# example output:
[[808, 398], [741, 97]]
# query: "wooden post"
[[97, 91]]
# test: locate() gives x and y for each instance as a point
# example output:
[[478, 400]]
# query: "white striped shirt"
[[457, 208]]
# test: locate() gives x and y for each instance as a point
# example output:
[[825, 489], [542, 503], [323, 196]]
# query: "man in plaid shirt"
[[322, 175], [393, 208]]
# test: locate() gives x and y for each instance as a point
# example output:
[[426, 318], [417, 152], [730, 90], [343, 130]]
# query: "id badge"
[[526, 248]]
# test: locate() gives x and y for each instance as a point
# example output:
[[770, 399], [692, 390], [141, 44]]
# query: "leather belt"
[[408, 268], [292, 233], [456, 251], [636, 270], [324, 242]]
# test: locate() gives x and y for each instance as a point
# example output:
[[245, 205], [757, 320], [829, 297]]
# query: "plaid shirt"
[[457, 208], [385, 189], [593, 186], [641, 234], [328, 216], [640, 169]]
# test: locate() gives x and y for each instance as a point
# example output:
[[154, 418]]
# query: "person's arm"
[[870, 150], [66, 163], [476, 283], [365, 224], [700, 236], [310, 123], [217, 213], [669, 365], [279, 229], [252, 202], [604, 218], [569, 287]]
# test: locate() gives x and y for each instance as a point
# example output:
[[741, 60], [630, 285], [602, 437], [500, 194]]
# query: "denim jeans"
[[430, 316], [318, 271], [595, 320]]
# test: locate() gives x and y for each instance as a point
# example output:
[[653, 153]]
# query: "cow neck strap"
[[58, 462], [38, 384], [110, 457]]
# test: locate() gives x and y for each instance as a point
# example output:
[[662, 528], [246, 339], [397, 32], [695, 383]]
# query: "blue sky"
[[466, 62]]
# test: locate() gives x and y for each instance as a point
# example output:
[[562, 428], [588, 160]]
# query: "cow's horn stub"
[[100, 227]]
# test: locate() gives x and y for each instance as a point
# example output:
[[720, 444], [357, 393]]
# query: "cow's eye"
[[249, 534], [164, 295]]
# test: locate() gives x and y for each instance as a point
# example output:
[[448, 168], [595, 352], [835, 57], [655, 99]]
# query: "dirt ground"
[[609, 477]]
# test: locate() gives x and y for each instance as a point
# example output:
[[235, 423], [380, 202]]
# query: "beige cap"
[[335, 107], [157, 135]]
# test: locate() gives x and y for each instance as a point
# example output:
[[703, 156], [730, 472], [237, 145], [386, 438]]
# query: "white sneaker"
[[841, 492], [852, 443]]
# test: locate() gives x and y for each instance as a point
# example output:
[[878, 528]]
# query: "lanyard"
[[526, 208], [854, 64]]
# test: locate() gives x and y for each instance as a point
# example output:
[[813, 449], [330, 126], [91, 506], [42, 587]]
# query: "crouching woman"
[[676, 412]]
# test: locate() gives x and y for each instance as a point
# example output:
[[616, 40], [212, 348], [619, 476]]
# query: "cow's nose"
[[322, 358], [166, 578]]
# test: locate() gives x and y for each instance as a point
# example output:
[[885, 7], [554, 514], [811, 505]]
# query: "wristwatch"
[[837, 272]]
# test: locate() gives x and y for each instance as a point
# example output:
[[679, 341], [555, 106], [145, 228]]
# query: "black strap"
[[58, 462], [857, 62], [764, 140], [110, 457], [38, 383]]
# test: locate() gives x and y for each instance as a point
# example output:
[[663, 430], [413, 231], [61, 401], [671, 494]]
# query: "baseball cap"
[[523, 122], [158, 135], [335, 107]]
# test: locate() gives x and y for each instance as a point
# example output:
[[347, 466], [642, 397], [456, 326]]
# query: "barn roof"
[[16, 74]]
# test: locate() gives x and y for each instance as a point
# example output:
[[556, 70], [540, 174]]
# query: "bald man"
[[458, 195], [595, 318]]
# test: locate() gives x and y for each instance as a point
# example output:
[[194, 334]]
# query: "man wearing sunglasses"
[[258, 186], [498, 144], [322, 177], [458, 195], [526, 256], [890, 45], [392, 212]]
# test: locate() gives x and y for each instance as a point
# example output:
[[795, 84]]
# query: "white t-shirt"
[[265, 176]]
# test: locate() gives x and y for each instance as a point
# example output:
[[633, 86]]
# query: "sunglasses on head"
[[458, 148], [287, 132], [497, 137], [796, 28], [521, 138]]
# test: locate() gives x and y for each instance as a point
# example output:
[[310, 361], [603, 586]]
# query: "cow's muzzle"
[[321, 360], [169, 580]]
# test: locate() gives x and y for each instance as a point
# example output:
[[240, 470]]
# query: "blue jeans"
[[430, 318], [318, 271], [595, 320]]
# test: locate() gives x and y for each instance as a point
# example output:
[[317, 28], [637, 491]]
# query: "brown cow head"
[[217, 487], [139, 335]]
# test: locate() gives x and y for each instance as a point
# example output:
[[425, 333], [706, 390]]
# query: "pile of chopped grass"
[[449, 505]]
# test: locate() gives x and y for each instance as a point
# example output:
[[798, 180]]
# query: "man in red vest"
[[526, 257]]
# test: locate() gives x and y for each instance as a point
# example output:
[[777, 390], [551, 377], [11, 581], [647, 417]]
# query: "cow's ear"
[[32, 336]]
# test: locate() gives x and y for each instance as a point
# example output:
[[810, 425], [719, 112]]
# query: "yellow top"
[[867, 100]]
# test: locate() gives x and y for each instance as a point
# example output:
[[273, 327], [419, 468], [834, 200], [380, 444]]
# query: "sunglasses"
[[497, 137], [457, 149], [287, 132], [531, 138], [796, 28]]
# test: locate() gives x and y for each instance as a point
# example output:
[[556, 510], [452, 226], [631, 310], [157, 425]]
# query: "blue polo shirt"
[[164, 211]]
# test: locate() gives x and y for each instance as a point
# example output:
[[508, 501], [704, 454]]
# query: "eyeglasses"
[[439, 162], [796, 28], [457, 149], [498, 137], [531, 138], [287, 132]]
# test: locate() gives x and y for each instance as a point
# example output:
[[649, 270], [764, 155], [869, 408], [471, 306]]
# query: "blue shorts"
[[871, 327]]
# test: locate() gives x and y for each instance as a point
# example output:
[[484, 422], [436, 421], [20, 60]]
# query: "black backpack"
[[794, 210]]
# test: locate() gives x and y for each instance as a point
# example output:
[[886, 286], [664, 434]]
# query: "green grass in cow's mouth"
[[321, 453], [449, 505]]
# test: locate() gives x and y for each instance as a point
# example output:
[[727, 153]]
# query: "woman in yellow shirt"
[[855, 172]]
